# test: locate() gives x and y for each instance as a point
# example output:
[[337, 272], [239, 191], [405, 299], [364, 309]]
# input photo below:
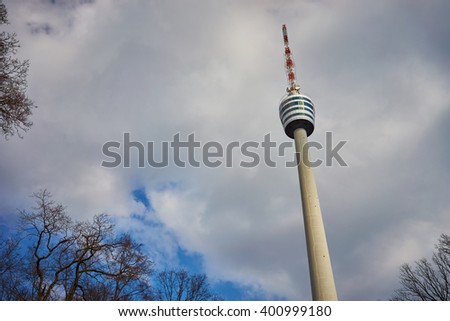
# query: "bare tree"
[[11, 285], [121, 273], [69, 260], [179, 285], [15, 106], [427, 280], [54, 258], [48, 227]]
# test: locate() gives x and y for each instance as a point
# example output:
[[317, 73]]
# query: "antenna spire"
[[293, 87]]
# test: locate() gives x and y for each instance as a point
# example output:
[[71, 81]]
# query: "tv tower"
[[297, 116]]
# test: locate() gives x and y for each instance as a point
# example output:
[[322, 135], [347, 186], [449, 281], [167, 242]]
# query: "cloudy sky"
[[378, 72]]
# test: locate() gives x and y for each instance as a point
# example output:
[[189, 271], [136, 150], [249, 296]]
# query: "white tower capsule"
[[297, 111], [297, 115]]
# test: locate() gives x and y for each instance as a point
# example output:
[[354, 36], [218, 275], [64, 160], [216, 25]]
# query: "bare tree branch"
[[179, 285], [66, 260], [15, 106], [427, 281]]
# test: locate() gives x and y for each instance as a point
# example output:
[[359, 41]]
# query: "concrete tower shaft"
[[320, 270]]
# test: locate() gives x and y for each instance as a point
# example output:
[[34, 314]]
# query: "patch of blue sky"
[[235, 291], [140, 195], [228, 290], [193, 262], [190, 261]]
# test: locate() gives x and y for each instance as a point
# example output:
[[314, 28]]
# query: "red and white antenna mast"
[[293, 87]]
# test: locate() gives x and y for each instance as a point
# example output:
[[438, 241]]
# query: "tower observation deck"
[[297, 114], [297, 111]]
